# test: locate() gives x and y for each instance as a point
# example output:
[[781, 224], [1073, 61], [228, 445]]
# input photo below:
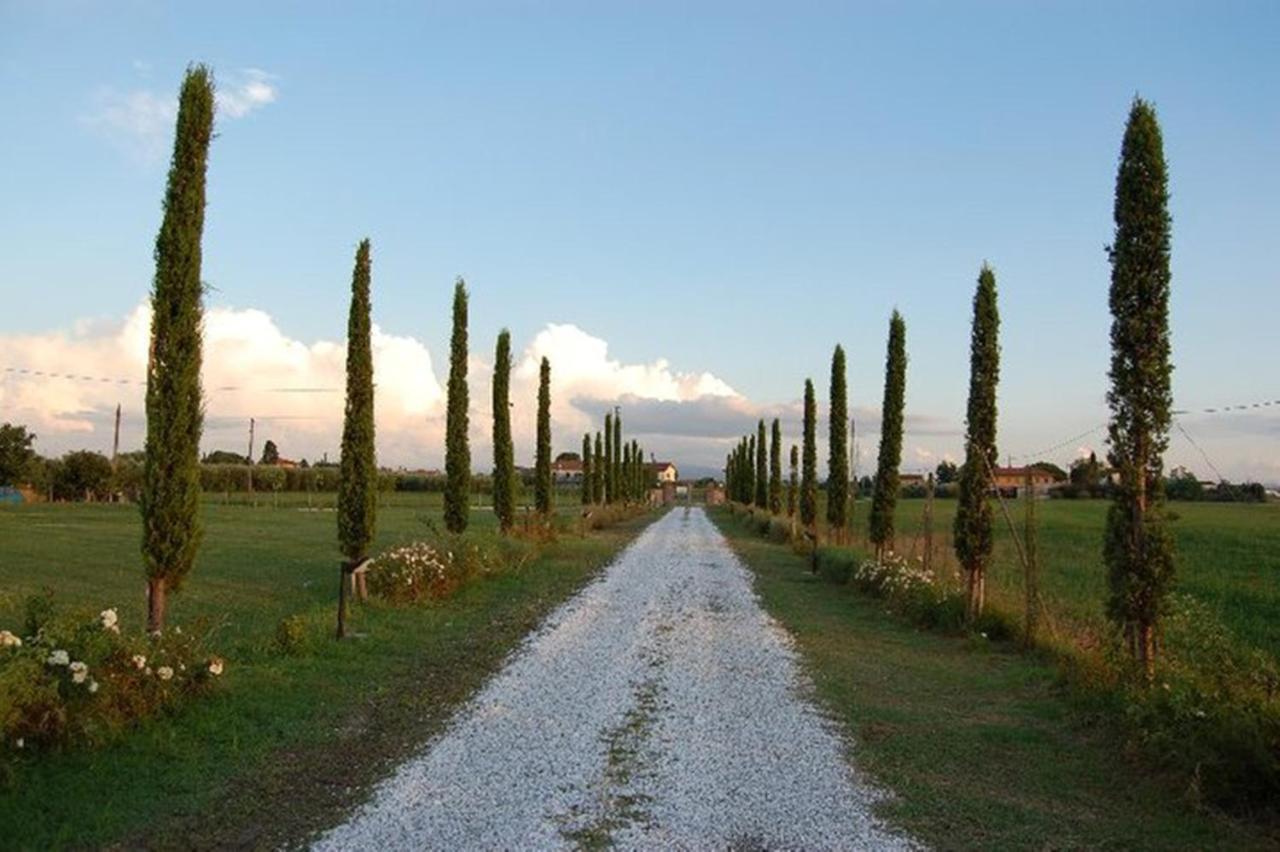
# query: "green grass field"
[[979, 748], [1228, 557], [287, 742]]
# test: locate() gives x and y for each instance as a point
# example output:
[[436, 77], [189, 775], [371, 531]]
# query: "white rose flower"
[[9, 640], [110, 620], [215, 666], [21, 742], [58, 658], [139, 662], [93, 686], [79, 672], [164, 673]]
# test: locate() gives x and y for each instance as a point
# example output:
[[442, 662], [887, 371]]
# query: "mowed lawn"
[[1228, 556], [973, 739], [288, 742]]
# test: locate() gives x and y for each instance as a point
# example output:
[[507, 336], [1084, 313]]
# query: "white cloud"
[[295, 388], [140, 121]]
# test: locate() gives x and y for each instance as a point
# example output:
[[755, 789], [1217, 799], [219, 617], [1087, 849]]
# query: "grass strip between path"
[[979, 748]]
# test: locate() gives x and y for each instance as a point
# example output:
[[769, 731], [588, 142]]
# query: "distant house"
[[909, 480], [1012, 481], [566, 470], [288, 464], [662, 471]]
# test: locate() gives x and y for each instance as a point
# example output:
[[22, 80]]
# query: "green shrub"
[[77, 679], [425, 571], [291, 635], [836, 565]]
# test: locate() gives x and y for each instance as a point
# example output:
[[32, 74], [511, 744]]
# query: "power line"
[[1203, 454], [49, 374]]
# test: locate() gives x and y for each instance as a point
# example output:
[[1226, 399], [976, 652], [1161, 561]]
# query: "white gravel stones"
[[660, 707]]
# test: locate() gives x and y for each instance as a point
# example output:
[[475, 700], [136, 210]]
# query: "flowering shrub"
[[893, 576], [421, 571], [79, 679]]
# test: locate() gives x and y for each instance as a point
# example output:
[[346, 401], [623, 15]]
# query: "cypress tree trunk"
[[1138, 548], [884, 500], [586, 469], [608, 459], [542, 464], [809, 462], [358, 468], [838, 449], [775, 468], [504, 465], [170, 497], [457, 451], [973, 522], [762, 468]]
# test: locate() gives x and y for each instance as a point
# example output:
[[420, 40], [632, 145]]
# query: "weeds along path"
[[659, 707]]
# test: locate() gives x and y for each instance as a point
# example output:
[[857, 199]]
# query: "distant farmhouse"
[[1012, 481], [567, 468]]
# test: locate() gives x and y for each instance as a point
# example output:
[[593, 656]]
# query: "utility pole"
[[250, 456]]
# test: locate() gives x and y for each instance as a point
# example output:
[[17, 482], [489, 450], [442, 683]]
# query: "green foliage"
[[223, 457], [972, 532], [457, 447], [170, 499], [1138, 547], [598, 472], [838, 445], [885, 499], [616, 465], [947, 472], [809, 460], [762, 468], [270, 453], [588, 487], [609, 493], [543, 490], [82, 475], [358, 477], [793, 485], [504, 470], [16, 454], [292, 635], [775, 468]]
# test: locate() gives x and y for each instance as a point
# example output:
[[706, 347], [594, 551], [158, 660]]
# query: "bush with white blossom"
[[423, 571], [77, 678]]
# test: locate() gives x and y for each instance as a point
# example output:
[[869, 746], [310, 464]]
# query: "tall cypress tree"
[[973, 522], [838, 448], [762, 467], [616, 466], [749, 464], [793, 487], [1138, 547], [608, 458], [775, 468], [358, 470], [504, 464], [597, 472], [587, 487], [457, 447], [170, 498], [542, 461], [809, 460], [884, 500], [626, 472]]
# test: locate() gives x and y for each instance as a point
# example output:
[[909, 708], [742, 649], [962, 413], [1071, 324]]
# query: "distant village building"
[[566, 470], [1012, 481], [662, 471]]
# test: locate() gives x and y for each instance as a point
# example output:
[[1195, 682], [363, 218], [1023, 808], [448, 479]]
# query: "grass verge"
[[978, 745]]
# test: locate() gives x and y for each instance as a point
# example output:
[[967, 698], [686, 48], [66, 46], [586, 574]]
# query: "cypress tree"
[[775, 469], [838, 448], [170, 498], [884, 499], [457, 448], [504, 465], [617, 453], [626, 472], [542, 462], [597, 472], [762, 467], [358, 469], [973, 522], [608, 458], [637, 470], [793, 486], [809, 461], [749, 466], [588, 489], [1138, 548]]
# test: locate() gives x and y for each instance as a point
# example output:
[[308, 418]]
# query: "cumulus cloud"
[[74, 378], [140, 121]]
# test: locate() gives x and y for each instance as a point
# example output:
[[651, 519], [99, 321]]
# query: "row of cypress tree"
[[613, 471]]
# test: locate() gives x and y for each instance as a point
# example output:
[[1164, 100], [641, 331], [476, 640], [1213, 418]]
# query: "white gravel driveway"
[[660, 707]]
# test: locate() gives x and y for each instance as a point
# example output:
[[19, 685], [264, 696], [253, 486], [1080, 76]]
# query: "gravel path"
[[660, 707]]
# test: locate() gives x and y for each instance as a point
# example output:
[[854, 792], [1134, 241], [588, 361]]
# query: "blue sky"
[[733, 188]]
